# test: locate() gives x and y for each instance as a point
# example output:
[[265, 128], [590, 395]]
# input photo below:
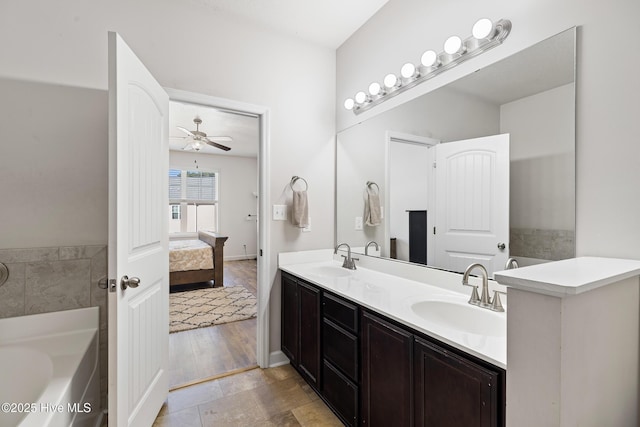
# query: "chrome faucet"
[[349, 262], [511, 263], [366, 247], [484, 300]]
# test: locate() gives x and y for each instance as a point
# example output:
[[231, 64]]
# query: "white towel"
[[372, 212], [300, 209]]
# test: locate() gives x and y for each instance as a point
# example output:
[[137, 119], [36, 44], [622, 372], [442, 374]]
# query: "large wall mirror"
[[480, 170]]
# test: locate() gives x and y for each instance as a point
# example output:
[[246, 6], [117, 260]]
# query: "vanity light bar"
[[485, 35]]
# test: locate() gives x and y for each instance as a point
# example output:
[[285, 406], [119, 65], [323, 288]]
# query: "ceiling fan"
[[199, 138]]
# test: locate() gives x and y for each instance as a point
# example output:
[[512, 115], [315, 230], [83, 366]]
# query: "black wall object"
[[418, 237]]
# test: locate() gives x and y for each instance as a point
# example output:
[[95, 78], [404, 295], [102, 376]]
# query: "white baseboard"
[[277, 358]]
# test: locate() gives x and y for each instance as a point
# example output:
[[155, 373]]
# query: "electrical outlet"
[[279, 212], [358, 223], [307, 229]]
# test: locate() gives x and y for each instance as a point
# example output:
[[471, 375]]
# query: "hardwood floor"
[[269, 397], [255, 397], [200, 354]]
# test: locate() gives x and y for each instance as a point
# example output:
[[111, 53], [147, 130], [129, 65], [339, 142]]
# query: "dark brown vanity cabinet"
[[386, 373], [301, 327], [374, 371], [451, 390]]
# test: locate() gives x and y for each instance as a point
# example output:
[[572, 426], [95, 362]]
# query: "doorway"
[[407, 192], [209, 352]]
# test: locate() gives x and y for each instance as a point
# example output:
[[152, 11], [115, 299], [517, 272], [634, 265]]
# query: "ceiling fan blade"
[[187, 131], [220, 138], [215, 144]]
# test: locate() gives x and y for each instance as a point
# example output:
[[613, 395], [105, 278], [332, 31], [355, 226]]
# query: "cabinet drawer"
[[341, 312], [341, 348], [341, 394]]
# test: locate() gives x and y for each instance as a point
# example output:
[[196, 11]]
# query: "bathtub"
[[49, 373]]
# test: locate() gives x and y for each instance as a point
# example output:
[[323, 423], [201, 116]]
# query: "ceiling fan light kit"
[[200, 138]]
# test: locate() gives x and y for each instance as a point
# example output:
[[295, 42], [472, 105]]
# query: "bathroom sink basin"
[[462, 317], [330, 271]]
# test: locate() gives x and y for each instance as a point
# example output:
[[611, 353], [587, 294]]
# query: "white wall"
[[53, 169], [542, 135], [237, 181], [607, 108], [186, 45]]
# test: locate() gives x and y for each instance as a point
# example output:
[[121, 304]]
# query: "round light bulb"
[[453, 45], [408, 70], [429, 58], [361, 97], [482, 29], [374, 88], [349, 103], [390, 81]]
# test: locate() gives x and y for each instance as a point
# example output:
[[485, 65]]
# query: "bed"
[[198, 260]]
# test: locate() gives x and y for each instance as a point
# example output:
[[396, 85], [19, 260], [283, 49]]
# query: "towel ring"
[[370, 184], [295, 179]]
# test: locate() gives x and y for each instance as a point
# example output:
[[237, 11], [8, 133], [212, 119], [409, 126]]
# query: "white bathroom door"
[[472, 203], [138, 240]]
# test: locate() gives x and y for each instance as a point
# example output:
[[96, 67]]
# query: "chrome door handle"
[[125, 282], [501, 246]]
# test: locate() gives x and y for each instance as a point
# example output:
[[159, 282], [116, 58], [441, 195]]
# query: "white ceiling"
[[548, 64], [243, 129], [325, 22]]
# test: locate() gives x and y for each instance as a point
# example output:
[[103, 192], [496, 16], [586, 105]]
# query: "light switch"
[[279, 212], [358, 223]]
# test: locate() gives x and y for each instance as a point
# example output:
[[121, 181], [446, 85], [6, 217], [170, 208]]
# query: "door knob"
[[125, 282], [501, 246]]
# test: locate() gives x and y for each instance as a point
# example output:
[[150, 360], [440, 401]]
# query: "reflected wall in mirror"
[[530, 97]]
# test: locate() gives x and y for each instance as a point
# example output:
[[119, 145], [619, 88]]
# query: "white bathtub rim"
[[46, 324]]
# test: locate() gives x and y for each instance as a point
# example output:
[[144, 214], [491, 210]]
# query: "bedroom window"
[[175, 211], [193, 199]]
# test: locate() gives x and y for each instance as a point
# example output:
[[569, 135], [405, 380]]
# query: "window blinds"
[[192, 186]]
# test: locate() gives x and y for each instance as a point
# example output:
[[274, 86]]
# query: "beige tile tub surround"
[[43, 280]]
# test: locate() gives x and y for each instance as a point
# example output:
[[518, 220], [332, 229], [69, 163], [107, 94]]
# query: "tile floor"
[[269, 397]]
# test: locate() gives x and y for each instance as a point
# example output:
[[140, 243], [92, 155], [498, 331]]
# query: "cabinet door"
[[309, 356], [289, 340], [451, 390], [386, 373], [340, 393]]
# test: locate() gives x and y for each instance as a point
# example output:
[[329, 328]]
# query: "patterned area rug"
[[211, 306]]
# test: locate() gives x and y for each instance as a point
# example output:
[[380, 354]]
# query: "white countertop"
[[393, 296], [570, 276]]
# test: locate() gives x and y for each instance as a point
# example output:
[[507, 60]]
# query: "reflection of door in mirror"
[[407, 188], [472, 200]]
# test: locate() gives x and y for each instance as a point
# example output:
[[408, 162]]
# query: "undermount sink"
[[330, 271], [462, 317]]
